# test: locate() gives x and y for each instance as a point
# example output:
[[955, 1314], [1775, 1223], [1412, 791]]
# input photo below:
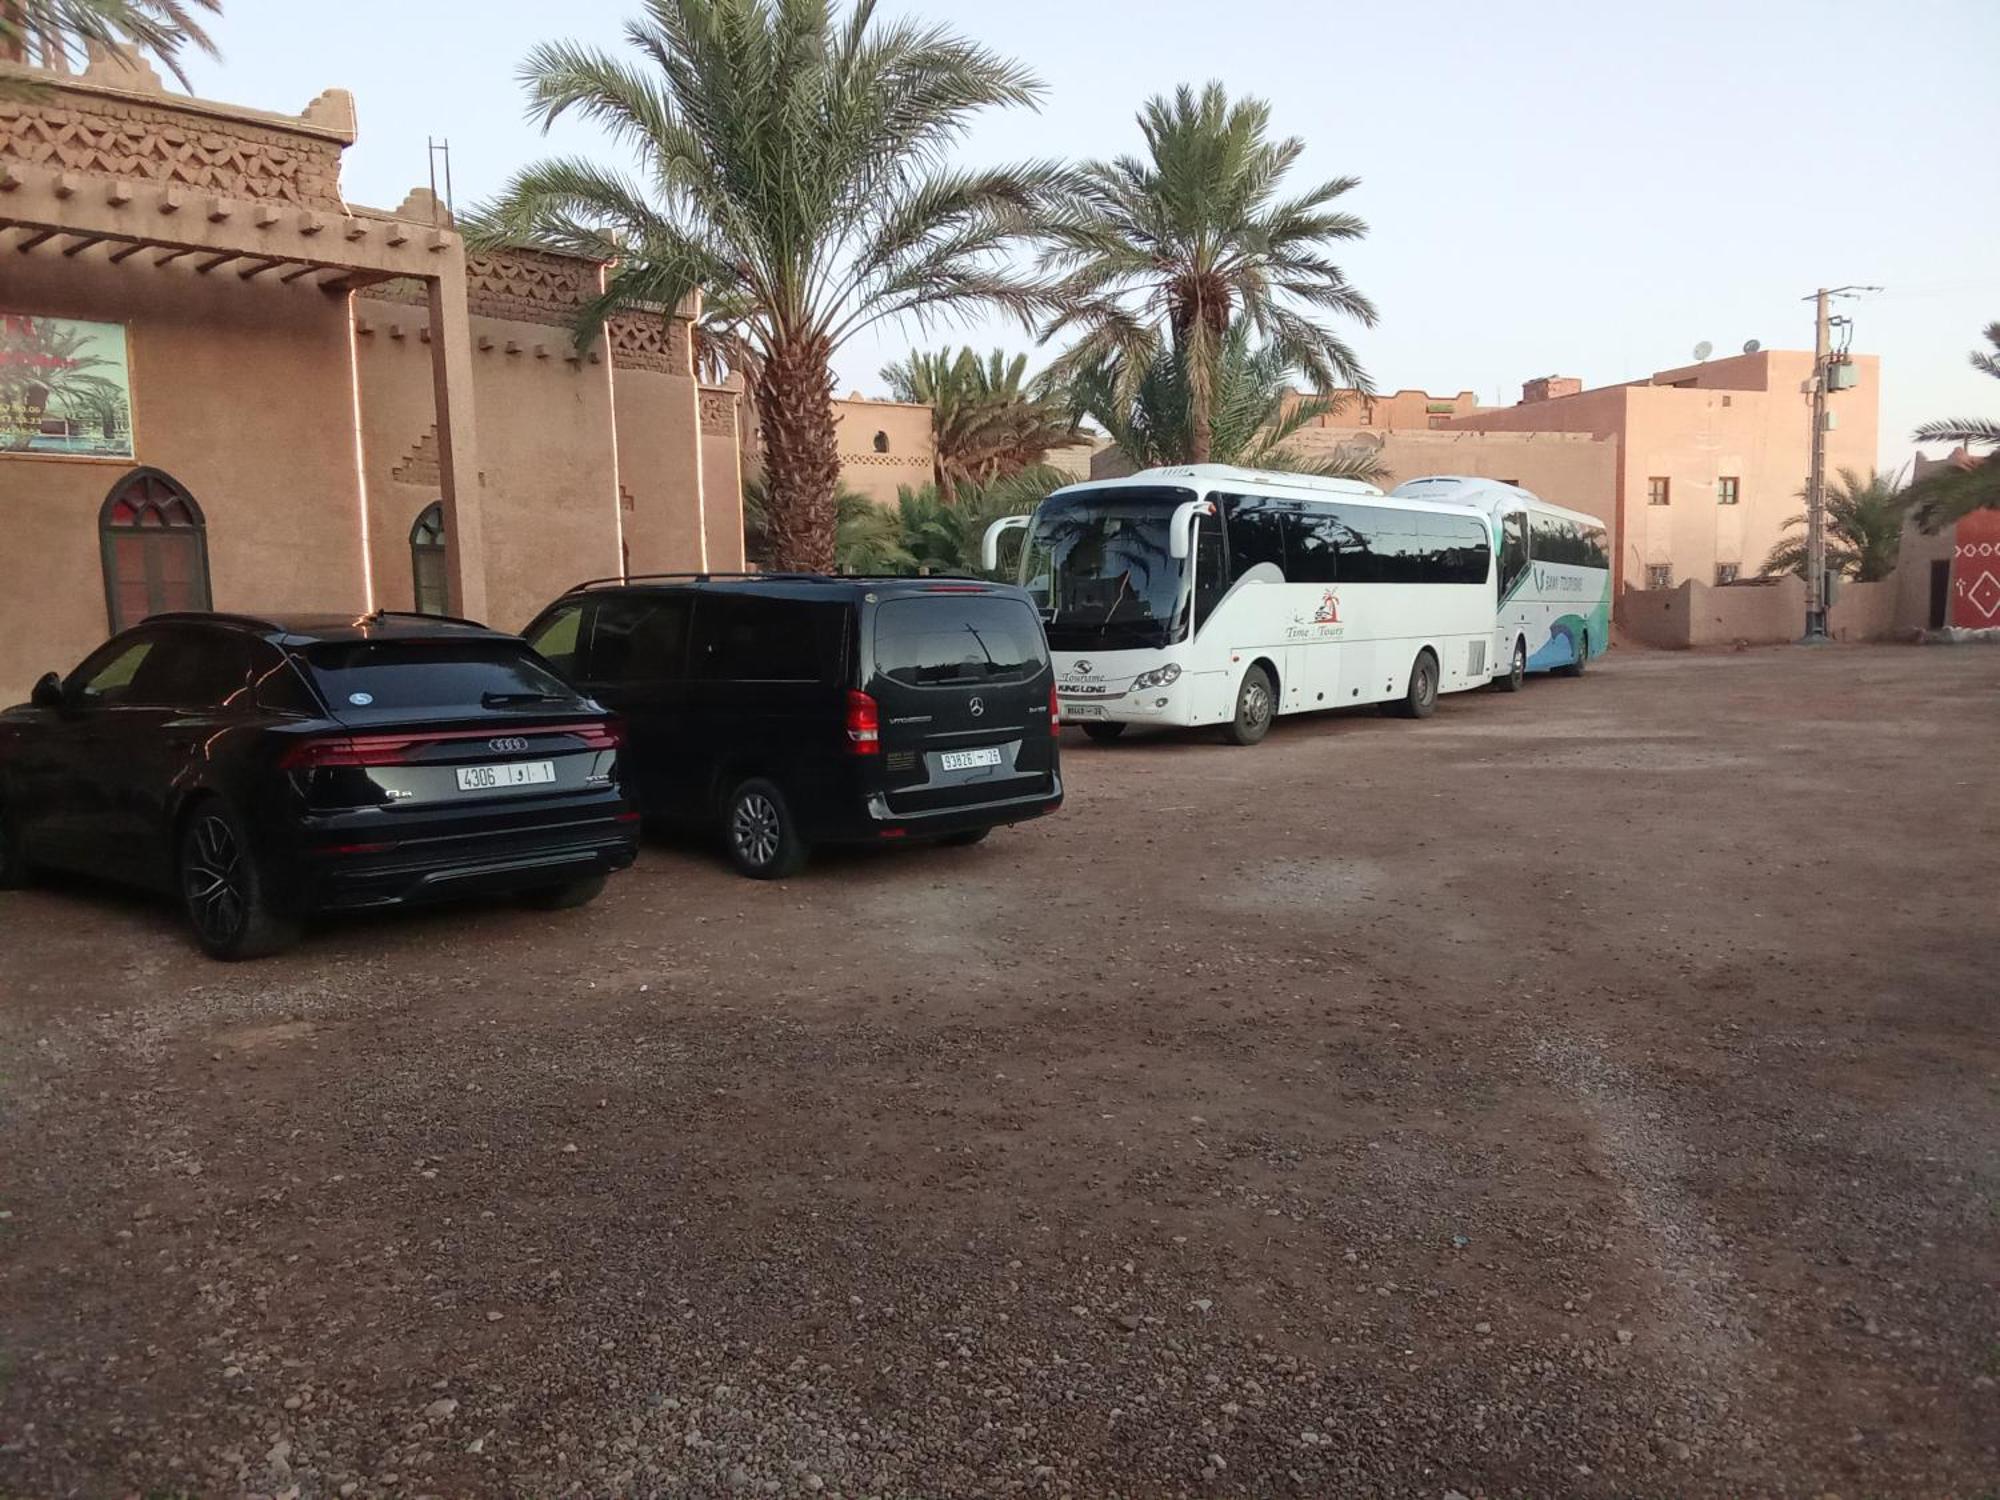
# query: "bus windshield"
[[1101, 569]]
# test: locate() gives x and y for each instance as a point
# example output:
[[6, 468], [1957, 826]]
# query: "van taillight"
[[864, 724], [1055, 711]]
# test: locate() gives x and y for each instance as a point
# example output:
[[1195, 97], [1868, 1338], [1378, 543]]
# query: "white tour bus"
[[1215, 595], [1554, 589]]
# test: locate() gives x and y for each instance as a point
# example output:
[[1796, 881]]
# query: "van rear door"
[[961, 679]]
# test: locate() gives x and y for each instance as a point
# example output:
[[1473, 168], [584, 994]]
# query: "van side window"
[[558, 637], [640, 637], [738, 638]]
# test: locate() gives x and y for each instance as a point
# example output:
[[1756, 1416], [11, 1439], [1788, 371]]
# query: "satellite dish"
[[1752, 347], [1703, 350]]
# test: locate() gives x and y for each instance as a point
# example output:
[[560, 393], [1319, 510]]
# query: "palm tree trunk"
[[1201, 429], [801, 456]]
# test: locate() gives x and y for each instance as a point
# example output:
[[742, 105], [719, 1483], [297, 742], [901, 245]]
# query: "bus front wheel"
[[1256, 706], [1103, 730], [1517, 669], [1420, 699]]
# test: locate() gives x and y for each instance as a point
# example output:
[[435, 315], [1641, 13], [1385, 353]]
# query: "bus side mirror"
[[989, 548], [48, 693], [1180, 531]]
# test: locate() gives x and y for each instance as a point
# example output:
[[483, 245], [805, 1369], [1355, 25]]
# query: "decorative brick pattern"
[[887, 460], [529, 286], [405, 289], [157, 143], [646, 341], [420, 464], [718, 412]]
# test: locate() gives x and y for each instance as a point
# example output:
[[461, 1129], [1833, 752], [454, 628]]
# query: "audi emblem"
[[508, 745], [978, 707]]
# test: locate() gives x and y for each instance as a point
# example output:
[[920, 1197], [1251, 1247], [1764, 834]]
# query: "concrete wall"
[[240, 391], [1695, 614]]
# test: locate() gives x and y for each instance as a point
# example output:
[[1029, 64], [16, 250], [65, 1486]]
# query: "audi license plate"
[[969, 760], [492, 778]]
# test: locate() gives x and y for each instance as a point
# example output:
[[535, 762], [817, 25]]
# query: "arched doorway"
[[428, 563], [155, 546]]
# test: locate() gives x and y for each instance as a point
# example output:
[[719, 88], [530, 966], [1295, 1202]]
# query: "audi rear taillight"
[[351, 750], [402, 749], [1055, 711], [864, 724]]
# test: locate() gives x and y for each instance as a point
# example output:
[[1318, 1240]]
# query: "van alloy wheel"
[[756, 828]]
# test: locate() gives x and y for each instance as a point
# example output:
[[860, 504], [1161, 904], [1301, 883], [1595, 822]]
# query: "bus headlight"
[[1159, 677]]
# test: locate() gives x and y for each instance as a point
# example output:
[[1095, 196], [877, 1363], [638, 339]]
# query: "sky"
[[1583, 189]]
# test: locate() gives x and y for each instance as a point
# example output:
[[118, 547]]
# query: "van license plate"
[[492, 778], [969, 760]]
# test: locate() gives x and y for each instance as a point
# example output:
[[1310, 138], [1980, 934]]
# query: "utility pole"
[[1823, 361], [1816, 481]]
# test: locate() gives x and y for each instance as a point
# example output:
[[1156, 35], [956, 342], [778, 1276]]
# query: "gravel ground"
[[1590, 1092]]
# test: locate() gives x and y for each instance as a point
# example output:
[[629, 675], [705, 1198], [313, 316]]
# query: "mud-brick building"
[[223, 385]]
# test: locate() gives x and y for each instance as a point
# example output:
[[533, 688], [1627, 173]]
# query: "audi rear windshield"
[[380, 679]]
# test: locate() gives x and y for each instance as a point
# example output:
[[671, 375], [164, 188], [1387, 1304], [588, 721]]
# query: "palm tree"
[[1864, 529], [943, 535], [1253, 419], [987, 422], [1971, 480], [1183, 245], [56, 33], [790, 168]]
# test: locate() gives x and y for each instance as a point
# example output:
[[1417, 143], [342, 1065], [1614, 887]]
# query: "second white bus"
[[1211, 595], [1552, 608]]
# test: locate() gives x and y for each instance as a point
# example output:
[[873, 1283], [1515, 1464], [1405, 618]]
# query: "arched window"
[[881, 442], [427, 561], [155, 545]]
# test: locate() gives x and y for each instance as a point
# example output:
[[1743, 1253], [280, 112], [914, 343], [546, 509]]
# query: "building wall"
[[1576, 469], [658, 441], [241, 392], [1693, 614], [722, 477], [300, 413], [1745, 417], [1403, 411], [904, 425]]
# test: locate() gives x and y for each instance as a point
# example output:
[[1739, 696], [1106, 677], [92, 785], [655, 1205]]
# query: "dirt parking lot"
[[1589, 1092]]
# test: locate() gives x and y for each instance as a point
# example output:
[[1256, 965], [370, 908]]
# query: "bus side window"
[[1211, 569], [1256, 533], [1513, 550]]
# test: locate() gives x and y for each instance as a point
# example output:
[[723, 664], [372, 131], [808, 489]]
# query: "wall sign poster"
[[65, 387]]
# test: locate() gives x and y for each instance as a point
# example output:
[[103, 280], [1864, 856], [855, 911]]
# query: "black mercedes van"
[[788, 710]]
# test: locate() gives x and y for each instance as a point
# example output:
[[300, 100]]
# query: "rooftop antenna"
[[441, 147], [1703, 350], [1752, 347]]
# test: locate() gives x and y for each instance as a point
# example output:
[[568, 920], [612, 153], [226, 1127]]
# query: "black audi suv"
[[263, 770], [790, 710]]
